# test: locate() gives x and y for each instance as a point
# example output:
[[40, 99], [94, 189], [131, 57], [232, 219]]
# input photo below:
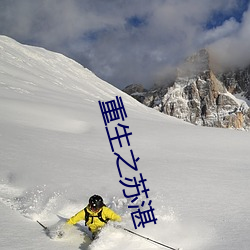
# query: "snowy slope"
[[55, 154]]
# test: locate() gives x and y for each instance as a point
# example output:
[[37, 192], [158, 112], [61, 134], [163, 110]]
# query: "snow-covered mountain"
[[55, 153], [201, 95]]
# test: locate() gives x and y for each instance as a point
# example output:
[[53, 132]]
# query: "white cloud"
[[97, 32], [233, 50]]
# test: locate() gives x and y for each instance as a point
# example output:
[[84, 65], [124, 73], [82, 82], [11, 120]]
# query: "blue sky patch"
[[136, 21], [219, 17]]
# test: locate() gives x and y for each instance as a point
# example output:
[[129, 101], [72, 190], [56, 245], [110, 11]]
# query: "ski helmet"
[[95, 202]]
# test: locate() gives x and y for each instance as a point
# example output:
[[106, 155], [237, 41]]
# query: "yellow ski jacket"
[[94, 223]]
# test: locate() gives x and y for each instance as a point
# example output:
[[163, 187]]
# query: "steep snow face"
[[55, 153], [30, 74]]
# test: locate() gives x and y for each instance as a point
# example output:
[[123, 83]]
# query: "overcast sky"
[[131, 41]]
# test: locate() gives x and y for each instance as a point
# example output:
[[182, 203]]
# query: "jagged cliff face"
[[237, 81], [201, 97]]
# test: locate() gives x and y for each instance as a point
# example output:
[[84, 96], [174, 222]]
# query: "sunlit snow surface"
[[55, 153]]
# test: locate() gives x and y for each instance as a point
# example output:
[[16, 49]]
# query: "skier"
[[95, 214]]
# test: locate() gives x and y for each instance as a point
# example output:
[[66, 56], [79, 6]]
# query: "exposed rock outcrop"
[[199, 96]]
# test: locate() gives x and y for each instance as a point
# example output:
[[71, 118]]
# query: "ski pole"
[[45, 228], [159, 243]]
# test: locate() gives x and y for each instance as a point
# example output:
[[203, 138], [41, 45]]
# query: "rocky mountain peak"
[[200, 96], [196, 64]]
